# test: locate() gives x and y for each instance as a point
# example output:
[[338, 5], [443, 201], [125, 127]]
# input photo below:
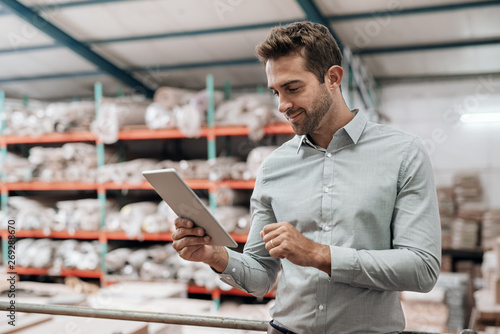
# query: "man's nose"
[[285, 104]]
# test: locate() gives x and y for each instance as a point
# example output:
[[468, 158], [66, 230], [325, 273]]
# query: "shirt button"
[[321, 307], [327, 228], [233, 270], [327, 189], [329, 155]]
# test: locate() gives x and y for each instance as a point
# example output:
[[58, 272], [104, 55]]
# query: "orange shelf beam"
[[43, 186], [237, 184], [63, 272], [51, 138], [119, 235], [57, 235], [144, 133]]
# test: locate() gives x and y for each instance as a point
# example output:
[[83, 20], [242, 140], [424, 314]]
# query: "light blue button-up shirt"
[[370, 196]]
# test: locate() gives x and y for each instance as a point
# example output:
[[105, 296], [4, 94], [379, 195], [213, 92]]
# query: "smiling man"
[[347, 209]]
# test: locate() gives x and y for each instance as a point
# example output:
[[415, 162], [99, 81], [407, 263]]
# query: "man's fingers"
[[183, 222]]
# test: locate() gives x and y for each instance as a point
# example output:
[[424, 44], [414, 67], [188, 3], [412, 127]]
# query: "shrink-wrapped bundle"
[[169, 97], [131, 218], [159, 117], [220, 168], [115, 114], [194, 169], [31, 214], [16, 168], [162, 220], [127, 171], [30, 120], [229, 217], [83, 214], [253, 110], [36, 253], [228, 196], [117, 258], [490, 229], [189, 120], [66, 116]]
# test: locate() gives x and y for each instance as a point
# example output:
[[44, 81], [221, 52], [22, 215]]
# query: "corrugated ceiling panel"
[[483, 59], [17, 33], [247, 75], [338, 7], [42, 62], [136, 18], [61, 88], [420, 29], [226, 46]]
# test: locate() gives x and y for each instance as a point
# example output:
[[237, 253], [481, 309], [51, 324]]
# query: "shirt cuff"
[[344, 264]]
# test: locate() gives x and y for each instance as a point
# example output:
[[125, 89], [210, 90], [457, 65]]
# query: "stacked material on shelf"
[[446, 202], [464, 234], [184, 109], [490, 269], [160, 262], [228, 196], [81, 215], [67, 116], [490, 228], [115, 114], [30, 213], [220, 168], [127, 171], [234, 219], [425, 312], [194, 169], [466, 187], [30, 120], [72, 162], [456, 286], [57, 254], [252, 110], [16, 168], [136, 218], [446, 232]]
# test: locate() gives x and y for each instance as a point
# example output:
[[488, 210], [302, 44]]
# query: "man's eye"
[[292, 90], [275, 93]]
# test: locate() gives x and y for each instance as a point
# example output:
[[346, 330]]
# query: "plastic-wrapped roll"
[[238, 170], [115, 114], [229, 216], [194, 169], [169, 97], [189, 120], [159, 117], [229, 196], [220, 168], [116, 259], [132, 217], [137, 258], [68, 115]]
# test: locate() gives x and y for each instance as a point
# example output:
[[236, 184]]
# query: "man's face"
[[302, 98]]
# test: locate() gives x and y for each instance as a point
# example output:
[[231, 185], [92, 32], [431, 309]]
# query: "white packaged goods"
[[253, 110], [67, 116], [81, 215], [159, 117], [169, 97], [28, 120], [17, 168], [220, 168], [114, 114], [73, 162], [127, 171]]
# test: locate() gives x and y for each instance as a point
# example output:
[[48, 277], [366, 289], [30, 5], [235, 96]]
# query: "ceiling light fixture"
[[481, 117]]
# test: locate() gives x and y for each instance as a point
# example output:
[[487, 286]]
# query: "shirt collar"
[[354, 129]]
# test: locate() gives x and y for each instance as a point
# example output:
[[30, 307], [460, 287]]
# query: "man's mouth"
[[294, 117]]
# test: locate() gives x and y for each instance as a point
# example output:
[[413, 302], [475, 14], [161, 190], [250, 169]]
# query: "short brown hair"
[[311, 40]]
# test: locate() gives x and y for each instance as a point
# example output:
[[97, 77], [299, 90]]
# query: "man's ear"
[[333, 77]]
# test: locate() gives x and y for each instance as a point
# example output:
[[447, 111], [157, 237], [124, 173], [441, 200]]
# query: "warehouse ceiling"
[[55, 49]]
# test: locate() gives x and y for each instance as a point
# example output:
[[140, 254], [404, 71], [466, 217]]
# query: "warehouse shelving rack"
[[210, 132]]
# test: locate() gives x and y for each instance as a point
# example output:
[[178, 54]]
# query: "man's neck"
[[324, 134]]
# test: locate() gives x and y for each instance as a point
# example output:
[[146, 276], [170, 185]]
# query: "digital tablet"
[[184, 202]]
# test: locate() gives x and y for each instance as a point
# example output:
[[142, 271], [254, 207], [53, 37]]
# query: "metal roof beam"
[[156, 36], [426, 47], [313, 14], [60, 36], [412, 11]]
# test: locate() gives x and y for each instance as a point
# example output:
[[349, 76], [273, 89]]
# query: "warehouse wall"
[[431, 111]]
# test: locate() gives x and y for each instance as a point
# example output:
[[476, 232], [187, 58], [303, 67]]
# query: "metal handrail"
[[167, 318]]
